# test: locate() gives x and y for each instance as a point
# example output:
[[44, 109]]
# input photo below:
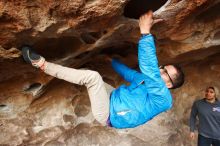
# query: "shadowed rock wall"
[[36, 109]]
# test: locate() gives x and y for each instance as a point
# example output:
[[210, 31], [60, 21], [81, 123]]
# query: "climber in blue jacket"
[[126, 106], [148, 94]]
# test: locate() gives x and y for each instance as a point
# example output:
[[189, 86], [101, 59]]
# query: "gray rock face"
[[37, 109]]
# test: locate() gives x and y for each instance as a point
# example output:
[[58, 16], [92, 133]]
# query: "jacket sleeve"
[[194, 113], [147, 58], [158, 93], [148, 64], [124, 71]]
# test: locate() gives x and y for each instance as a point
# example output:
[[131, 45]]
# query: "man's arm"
[[194, 113], [124, 71], [147, 58]]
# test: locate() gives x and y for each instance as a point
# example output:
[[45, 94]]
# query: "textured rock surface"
[[36, 109]]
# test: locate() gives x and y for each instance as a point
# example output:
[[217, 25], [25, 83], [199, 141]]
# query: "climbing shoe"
[[31, 57]]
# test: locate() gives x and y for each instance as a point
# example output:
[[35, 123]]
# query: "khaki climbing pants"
[[99, 96]]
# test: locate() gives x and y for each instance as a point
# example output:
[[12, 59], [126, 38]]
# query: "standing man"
[[127, 106], [208, 112]]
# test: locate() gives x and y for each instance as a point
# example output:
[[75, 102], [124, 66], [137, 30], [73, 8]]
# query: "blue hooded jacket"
[[147, 94]]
